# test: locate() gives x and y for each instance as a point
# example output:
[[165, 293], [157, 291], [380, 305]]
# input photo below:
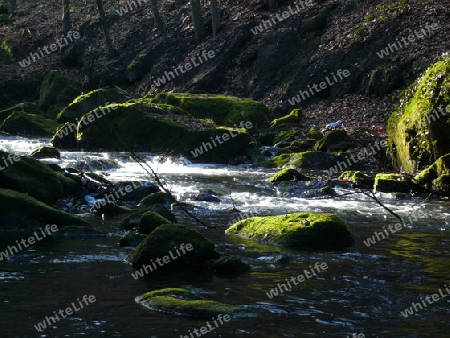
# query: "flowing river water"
[[361, 293]]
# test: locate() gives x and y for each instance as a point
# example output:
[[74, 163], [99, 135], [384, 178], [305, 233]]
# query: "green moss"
[[315, 134], [223, 110], [26, 107], [18, 210], [418, 128], [167, 236], [298, 230], [286, 136], [357, 177], [327, 190], [293, 117], [35, 178], [156, 198], [88, 102], [181, 302], [392, 183], [299, 146], [435, 177], [306, 160], [24, 124], [288, 174], [150, 221]]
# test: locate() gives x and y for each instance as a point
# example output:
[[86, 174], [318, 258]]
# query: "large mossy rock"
[[336, 140], [436, 177], [160, 129], [35, 178], [299, 230], [306, 160], [31, 125], [20, 211], [88, 102], [165, 239], [392, 183], [181, 302], [26, 107], [223, 110], [288, 174], [419, 129]]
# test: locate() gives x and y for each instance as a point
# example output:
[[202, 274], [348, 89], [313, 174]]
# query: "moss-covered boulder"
[[286, 136], [315, 134], [150, 221], [132, 221], [436, 177], [31, 125], [55, 91], [306, 160], [358, 178], [131, 240], [223, 110], [336, 140], [298, 146], [299, 230], [35, 178], [418, 129], [164, 241], [181, 302], [160, 128], [46, 152], [393, 183], [26, 107], [156, 198], [20, 211], [292, 118], [227, 266], [89, 102], [288, 174]]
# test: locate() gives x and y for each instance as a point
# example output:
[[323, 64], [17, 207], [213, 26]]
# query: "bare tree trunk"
[[215, 17], [109, 44], [66, 17], [273, 4], [159, 22], [199, 26]]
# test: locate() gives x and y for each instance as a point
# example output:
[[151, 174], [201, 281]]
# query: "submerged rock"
[[181, 302], [298, 230], [165, 239], [227, 266]]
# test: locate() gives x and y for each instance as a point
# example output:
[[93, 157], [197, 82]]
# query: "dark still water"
[[361, 293]]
